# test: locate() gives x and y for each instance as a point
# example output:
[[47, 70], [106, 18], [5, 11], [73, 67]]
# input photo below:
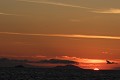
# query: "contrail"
[[56, 3], [65, 35]]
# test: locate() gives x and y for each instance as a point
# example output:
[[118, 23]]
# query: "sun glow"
[[91, 61], [96, 69]]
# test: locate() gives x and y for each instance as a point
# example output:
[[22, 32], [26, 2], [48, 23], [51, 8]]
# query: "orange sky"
[[55, 28]]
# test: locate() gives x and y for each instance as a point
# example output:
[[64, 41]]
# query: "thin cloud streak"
[[108, 11], [65, 35], [56, 4], [93, 10], [81, 60], [9, 14], [12, 56]]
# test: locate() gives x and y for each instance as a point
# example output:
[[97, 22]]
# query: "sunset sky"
[[87, 31]]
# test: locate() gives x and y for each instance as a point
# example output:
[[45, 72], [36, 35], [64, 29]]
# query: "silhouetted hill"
[[57, 61], [5, 62], [67, 67]]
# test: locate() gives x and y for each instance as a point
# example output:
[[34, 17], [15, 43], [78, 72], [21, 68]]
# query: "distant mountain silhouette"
[[68, 67], [4, 59], [5, 62], [57, 61]]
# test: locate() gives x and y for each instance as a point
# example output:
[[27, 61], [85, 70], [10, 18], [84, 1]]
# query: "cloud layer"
[[65, 35]]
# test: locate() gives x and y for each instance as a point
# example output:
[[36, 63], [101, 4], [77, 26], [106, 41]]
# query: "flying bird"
[[109, 62]]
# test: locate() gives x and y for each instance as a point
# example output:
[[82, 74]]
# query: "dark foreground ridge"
[[68, 72]]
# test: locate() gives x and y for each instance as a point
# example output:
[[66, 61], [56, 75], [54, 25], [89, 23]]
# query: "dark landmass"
[[57, 61], [68, 72], [5, 62], [20, 70], [68, 67]]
